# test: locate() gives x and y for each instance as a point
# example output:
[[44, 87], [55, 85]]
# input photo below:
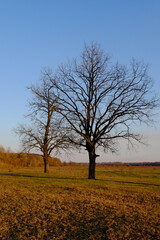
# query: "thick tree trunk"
[[91, 168], [46, 165], [92, 163]]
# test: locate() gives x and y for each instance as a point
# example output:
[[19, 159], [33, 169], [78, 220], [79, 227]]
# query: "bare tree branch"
[[45, 133], [101, 102]]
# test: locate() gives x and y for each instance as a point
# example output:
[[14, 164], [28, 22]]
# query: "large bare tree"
[[100, 102], [45, 132]]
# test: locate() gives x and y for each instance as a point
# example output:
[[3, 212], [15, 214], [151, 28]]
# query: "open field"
[[123, 203]]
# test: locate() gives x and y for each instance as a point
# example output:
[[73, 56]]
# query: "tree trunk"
[[92, 163], [46, 165]]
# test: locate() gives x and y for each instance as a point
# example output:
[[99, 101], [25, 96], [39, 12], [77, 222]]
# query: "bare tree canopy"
[[100, 102], [45, 133]]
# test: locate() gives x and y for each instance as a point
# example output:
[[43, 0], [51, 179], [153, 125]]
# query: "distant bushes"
[[8, 159], [20, 160], [156, 164]]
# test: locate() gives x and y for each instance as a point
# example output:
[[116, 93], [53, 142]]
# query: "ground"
[[122, 203]]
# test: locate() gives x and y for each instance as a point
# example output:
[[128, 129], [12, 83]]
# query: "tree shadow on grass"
[[135, 183], [74, 178], [40, 177]]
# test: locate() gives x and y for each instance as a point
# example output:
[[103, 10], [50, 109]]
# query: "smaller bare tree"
[[45, 132]]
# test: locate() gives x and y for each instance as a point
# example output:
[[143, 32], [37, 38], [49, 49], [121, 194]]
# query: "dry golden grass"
[[123, 203]]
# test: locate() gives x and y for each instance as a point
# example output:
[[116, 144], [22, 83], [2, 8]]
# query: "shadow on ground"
[[73, 178]]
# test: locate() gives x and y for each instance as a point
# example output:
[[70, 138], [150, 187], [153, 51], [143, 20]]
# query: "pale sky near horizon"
[[35, 34]]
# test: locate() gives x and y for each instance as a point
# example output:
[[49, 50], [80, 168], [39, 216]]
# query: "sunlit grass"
[[122, 203]]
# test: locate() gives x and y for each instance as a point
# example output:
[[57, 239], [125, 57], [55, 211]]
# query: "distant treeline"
[[112, 164], [25, 160], [9, 159], [130, 164]]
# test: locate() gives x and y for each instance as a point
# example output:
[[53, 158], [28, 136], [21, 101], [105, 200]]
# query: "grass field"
[[123, 203]]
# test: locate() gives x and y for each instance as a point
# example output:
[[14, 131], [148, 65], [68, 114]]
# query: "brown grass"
[[123, 203]]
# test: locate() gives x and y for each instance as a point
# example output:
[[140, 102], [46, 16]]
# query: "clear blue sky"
[[44, 33]]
